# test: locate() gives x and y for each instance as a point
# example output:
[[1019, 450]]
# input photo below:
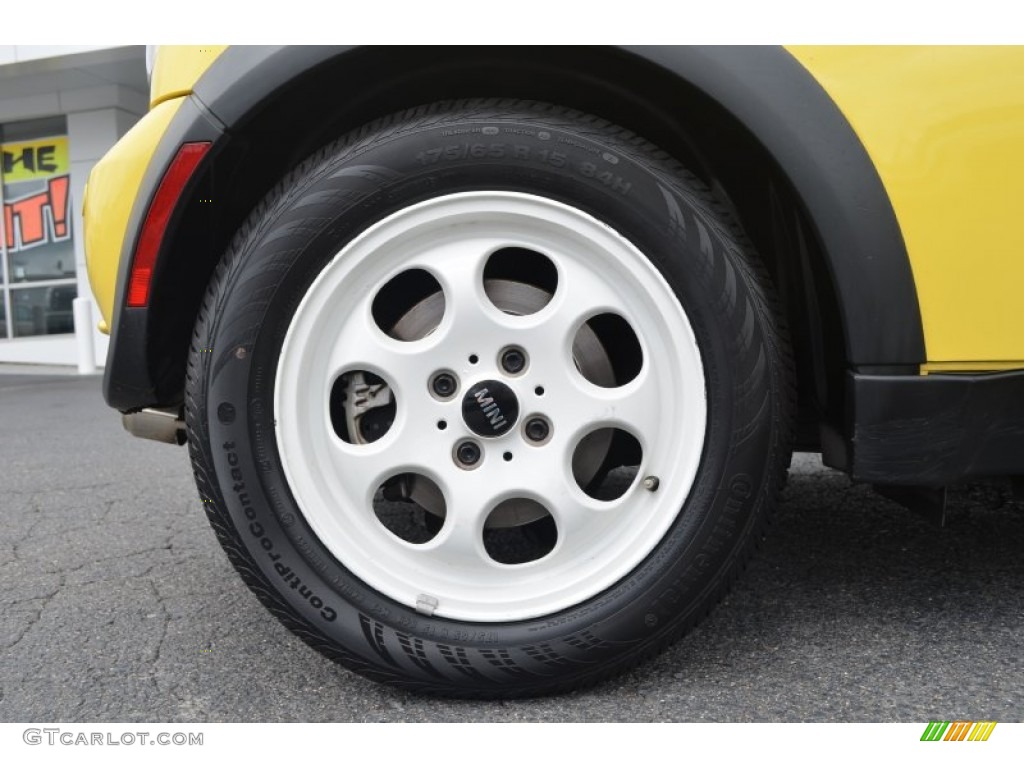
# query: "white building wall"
[[97, 116], [13, 54]]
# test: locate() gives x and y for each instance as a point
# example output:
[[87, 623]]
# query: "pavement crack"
[[38, 614], [154, 660], [17, 542], [112, 558]]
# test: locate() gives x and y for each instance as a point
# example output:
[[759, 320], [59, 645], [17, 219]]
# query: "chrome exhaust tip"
[[163, 424]]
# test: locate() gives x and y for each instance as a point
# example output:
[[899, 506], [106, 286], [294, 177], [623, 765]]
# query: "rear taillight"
[[159, 213]]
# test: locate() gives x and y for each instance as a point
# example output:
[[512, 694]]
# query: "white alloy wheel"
[[336, 476]]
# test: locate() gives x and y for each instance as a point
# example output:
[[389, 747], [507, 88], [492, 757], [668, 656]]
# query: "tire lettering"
[[556, 159], [616, 183], [477, 151], [551, 157], [257, 531], [429, 157]]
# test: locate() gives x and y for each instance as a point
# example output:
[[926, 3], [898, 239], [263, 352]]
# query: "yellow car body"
[[943, 126]]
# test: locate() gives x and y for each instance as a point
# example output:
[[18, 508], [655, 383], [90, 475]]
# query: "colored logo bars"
[[958, 731]]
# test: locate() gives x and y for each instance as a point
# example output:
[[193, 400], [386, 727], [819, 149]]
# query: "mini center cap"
[[490, 408]]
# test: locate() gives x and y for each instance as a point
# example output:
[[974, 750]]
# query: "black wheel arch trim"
[[764, 88], [787, 110], [130, 380]]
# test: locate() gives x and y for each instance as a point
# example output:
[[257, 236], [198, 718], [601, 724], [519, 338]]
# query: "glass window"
[[41, 311], [37, 269]]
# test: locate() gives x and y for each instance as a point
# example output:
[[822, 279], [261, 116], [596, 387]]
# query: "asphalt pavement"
[[118, 604]]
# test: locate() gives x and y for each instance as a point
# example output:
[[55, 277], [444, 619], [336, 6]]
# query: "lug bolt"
[[468, 453], [537, 429], [444, 385], [651, 483], [513, 360]]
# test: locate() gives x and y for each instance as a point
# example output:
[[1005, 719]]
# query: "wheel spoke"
[[459, 268], [551, 334], [362, 468], [580, 520], [583, 524], [583, 407], [582, 293], [460, 543], [361, 345]]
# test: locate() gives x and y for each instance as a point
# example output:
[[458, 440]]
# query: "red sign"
[[39, 218]]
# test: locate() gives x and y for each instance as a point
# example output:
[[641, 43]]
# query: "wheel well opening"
[[610, 83]]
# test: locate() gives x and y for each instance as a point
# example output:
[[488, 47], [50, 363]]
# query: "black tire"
[[415, 156]]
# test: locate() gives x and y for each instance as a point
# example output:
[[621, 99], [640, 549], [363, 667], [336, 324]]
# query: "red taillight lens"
[[159, 213]]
